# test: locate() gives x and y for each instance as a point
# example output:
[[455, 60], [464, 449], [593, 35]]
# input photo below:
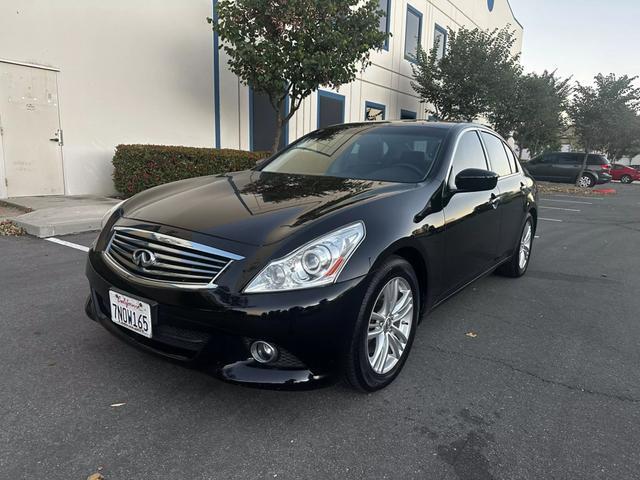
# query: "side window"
[[413, 33], [469, 154], [440, 41], [566, 159], [512, 158], [330, 109], [497, 155], [263, 123], [385, 6]]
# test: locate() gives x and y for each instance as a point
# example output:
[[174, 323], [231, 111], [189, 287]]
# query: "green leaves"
[[535, 115], [477, 71], [605, 116], [292, 47], [139, 167]]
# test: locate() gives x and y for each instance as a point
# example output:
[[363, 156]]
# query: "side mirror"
[[476, 180]]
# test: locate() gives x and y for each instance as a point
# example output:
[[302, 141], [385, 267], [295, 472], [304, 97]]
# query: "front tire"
[[385, 327], [626, 179], [519, 262]]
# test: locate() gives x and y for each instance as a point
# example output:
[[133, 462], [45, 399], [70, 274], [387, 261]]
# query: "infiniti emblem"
[[143, 258]]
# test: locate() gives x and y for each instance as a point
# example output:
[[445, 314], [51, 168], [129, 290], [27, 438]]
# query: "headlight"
[[110, 212], [317, 263]]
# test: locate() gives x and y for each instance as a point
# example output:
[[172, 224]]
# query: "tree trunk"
[[279, 124]]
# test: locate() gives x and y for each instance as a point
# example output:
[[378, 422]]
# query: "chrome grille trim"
[[179, 263]]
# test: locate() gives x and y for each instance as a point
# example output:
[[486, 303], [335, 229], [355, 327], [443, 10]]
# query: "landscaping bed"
[[550, 187]]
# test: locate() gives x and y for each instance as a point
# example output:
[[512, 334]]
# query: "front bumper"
[[212, 329]]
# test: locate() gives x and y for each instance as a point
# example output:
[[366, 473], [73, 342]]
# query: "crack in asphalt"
[[622, 398]]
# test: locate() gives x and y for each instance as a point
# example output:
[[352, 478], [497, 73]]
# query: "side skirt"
[[487, 272]]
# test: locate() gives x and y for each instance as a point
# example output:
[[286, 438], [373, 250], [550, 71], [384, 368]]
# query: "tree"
[[535, 113], [289, 48], [624, 139], [477, 71], [605, 115]]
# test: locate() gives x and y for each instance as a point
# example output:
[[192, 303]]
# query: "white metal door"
[[30, 128]]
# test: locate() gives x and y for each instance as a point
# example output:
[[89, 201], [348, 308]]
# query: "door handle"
[[494, 200], [57, 138]]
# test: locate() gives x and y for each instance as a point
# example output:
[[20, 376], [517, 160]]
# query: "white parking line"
[[563, 209], [549, 219], [574, 196], [67, 244], [565, 201]]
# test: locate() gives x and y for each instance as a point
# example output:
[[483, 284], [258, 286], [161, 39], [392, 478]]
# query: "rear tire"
[[626, 179], [586, 181], [385, 327], [519, 262]]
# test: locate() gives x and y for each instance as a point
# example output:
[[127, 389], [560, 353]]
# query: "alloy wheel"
[[390, 325], [525, 245], [585, 181], [625, 179]]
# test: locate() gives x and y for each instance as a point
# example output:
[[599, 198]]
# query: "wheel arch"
[[417, 260]]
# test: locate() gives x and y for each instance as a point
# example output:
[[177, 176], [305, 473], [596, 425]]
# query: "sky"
[[580, 38]]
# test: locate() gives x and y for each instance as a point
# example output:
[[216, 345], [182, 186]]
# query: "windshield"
[[389, 153]]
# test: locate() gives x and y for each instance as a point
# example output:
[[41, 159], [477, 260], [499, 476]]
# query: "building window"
[[330, 109], [413, 33], [385, 6], [407, 115], [374, 111], [440, 41], [263, 123]]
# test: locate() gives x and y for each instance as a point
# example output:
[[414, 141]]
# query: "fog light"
[[263, 352]]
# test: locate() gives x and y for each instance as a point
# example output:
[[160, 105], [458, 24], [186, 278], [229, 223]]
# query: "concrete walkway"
[[60, 215]]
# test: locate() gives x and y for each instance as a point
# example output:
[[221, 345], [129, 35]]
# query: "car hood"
[[252, 207]]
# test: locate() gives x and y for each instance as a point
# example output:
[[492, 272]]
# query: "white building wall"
[[131, 71], [387, 81]]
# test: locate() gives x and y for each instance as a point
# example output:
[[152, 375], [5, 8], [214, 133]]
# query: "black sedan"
[[320, 261]]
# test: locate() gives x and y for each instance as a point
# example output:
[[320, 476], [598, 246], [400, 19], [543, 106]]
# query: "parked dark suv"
[[566, 166]]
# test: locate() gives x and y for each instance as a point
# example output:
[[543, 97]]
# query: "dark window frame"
[[408, 114], [333, 96], [379, 106], [445, 34], [413, 11], [388, 25], [285, 128]]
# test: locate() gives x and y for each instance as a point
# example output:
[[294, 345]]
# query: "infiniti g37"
[[322, 260]]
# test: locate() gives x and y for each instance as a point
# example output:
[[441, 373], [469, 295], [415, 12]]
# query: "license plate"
[[131, 313]]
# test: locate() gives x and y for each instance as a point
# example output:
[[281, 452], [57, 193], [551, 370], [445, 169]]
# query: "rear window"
[[597, 160]]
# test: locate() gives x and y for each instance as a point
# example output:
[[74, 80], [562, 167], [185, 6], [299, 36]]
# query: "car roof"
[[417, 122]]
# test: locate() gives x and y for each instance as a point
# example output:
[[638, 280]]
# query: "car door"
[[568, 167], [511, 200], [472, 222], [541, 167]]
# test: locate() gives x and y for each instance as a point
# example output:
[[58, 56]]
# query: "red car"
[[624, 173]]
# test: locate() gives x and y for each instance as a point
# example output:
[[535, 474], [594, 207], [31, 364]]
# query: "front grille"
[[163, 259]]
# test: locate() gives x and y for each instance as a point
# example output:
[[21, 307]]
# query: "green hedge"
[[138, 167]]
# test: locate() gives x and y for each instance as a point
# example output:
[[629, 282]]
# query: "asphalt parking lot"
[[536, 378]]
